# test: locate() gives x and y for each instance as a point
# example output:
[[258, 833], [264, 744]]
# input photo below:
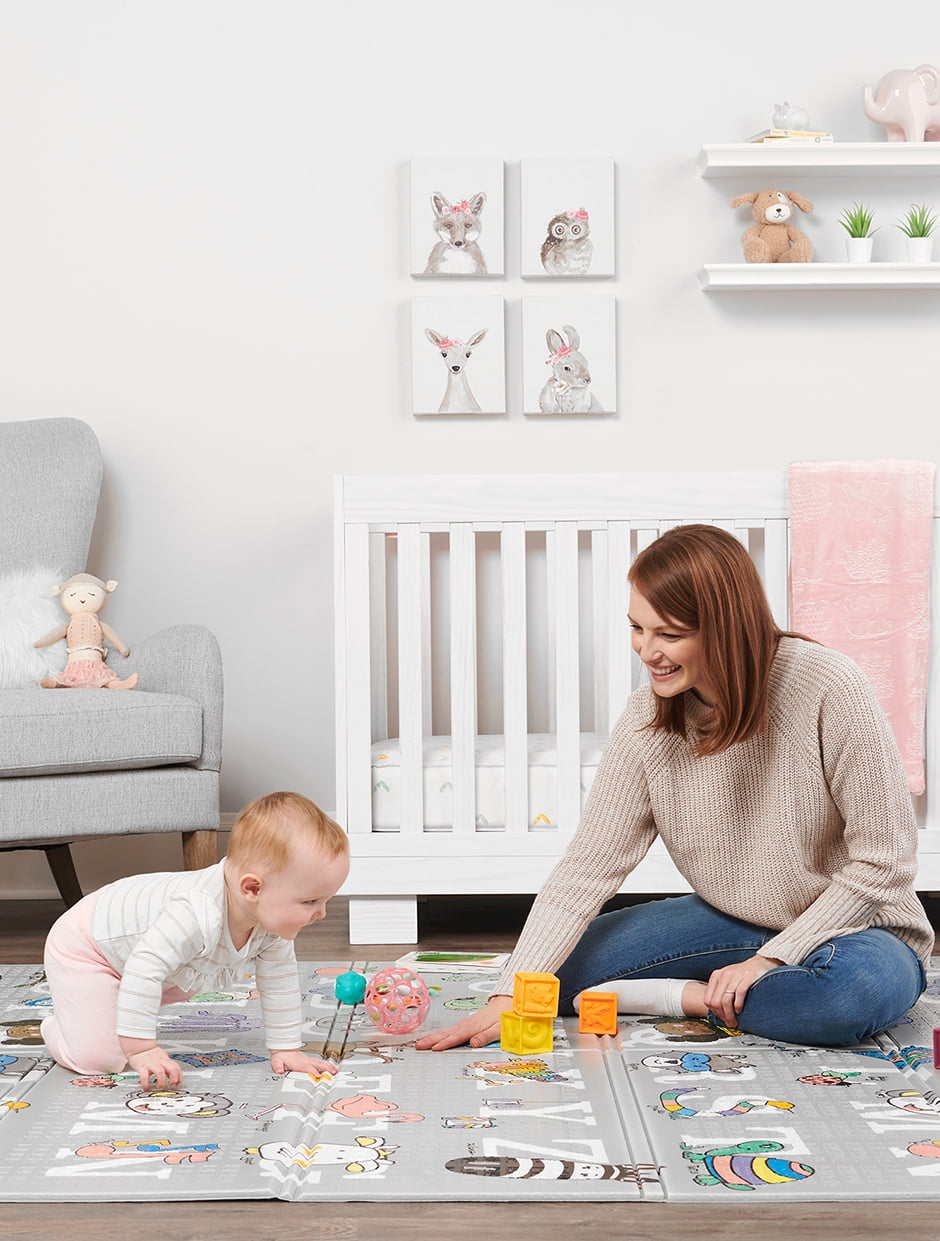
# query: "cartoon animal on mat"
[[362, 1106], [458, 227], [457, 398], [700, 1062], [368, 1155], [515, 1070], [725, 1105], [159, 1148], [568, 391], [745, 1166], [920, 1103], [772, 238], [179, 1103], [552, 1169], [567, 249]]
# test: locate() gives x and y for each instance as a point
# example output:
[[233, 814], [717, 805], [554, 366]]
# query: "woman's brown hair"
[[703, 578]]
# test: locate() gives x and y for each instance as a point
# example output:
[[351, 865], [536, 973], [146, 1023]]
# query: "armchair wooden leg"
[[200, 849], [63, 872]]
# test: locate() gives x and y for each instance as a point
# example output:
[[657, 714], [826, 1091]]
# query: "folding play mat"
[[666, 1109]]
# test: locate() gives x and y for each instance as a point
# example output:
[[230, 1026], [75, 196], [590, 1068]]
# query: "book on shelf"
[[803, 135]]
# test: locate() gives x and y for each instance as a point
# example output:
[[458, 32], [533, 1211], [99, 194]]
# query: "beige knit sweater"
[[806, 829]]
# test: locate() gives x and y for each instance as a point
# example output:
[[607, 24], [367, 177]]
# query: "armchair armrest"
[[183, 659]]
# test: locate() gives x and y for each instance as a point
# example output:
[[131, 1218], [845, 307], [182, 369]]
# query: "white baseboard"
[[25, 875]]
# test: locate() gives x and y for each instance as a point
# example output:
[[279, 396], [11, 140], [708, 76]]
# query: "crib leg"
[[383, 919]]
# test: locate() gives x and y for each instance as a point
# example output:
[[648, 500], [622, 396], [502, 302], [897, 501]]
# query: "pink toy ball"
[[397, 1000]]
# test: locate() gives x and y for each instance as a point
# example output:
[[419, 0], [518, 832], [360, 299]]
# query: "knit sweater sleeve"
[[854, 749], [615, 832], [279, 989]]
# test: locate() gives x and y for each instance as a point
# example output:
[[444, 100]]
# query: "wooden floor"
[[446, 922]]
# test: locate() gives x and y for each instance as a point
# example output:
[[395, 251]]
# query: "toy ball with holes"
[[397, 1000]]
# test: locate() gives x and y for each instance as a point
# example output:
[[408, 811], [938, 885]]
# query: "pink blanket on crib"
[[860, 537]]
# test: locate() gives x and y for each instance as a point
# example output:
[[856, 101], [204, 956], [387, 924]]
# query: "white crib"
[[482, 656]]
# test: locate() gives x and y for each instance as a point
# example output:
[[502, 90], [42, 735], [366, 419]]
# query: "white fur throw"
[[29, 611]]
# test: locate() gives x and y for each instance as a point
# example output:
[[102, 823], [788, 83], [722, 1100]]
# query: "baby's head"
[[287, 859]]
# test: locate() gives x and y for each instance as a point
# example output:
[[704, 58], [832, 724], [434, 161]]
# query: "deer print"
[[457, 399]]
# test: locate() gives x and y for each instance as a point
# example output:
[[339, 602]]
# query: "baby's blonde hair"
[[269, 829]]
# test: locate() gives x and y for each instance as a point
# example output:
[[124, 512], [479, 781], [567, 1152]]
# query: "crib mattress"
[[490, 764]]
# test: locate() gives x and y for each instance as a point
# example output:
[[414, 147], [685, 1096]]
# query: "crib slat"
[[776, 569], [378, 628], [618, 627], [600, 648], [412, 590], [356, 685], [512, 554], [463, 673], [565, 605]]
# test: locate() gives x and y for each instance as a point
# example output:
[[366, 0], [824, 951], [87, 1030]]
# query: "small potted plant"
[[918, 225], [857, 221]]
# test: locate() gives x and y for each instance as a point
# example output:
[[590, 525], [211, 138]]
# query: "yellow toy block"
[[525, 1036], [535, 995], [598, 1012]]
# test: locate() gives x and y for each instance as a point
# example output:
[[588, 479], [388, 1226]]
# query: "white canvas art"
[[457, 217], [567, 217], [458, 355], [569, 355]]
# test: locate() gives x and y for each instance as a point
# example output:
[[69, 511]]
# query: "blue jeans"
[[846, 989]]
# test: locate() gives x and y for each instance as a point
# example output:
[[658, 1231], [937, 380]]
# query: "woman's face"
[[672, 652]]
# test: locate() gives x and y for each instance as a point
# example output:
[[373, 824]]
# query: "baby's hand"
[[297, 1061], [157, 1070]]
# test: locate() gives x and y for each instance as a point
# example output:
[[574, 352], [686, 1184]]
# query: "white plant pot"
[[858, 249], [919, 249]]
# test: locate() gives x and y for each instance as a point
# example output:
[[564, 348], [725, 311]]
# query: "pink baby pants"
[[81, 1033]]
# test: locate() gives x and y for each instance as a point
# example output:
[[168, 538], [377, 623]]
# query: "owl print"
[[567, 248]]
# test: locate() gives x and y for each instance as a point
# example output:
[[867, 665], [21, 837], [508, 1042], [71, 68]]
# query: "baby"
[[121, 952]]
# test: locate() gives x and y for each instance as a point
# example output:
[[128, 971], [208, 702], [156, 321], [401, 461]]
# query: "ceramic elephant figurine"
[[907, 103]]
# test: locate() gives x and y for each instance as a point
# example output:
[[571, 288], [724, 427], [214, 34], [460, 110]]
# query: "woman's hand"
[[477, 1029], [727, 987], [296, 1061], [156, 1069]]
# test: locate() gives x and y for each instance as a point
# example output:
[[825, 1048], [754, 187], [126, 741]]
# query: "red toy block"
[[936, 1047], [535, 995], [598, 1013]]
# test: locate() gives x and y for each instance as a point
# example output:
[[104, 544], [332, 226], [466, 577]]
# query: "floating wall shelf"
[[721, 277], [827, 159]]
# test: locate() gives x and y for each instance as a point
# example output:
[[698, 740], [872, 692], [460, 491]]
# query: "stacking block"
[[535, 995], [525, 1036], [936, 1047], [598, 1012]]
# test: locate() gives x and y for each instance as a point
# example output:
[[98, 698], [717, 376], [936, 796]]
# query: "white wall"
[[204, 254]]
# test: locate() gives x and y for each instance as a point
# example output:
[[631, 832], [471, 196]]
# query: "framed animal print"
[[457, 217], [569, 349], [567, 217], [458, 355]]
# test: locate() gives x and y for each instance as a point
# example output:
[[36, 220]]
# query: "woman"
[[767, 767]]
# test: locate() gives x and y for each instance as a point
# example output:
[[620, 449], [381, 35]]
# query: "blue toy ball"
[[350, 987]]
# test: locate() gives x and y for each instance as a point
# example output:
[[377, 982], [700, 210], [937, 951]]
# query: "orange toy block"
[[525, 1036], [598, 1013], [535, 995]]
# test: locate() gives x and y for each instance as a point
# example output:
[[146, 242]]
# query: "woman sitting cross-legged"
[[767, 767]]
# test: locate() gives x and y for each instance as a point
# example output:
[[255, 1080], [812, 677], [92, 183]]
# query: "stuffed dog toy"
[[772, 238]]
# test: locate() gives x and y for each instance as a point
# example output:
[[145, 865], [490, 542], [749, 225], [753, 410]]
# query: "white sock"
[[660, 997]]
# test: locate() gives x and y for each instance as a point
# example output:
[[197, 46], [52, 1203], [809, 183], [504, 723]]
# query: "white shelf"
[[826, 159], [721, 277]]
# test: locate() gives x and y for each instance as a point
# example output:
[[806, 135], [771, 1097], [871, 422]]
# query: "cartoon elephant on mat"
[[907, 103]]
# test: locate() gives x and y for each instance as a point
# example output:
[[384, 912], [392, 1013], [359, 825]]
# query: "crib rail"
[[498, 605]]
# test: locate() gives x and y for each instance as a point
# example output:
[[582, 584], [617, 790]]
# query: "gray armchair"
[[82, 763]]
